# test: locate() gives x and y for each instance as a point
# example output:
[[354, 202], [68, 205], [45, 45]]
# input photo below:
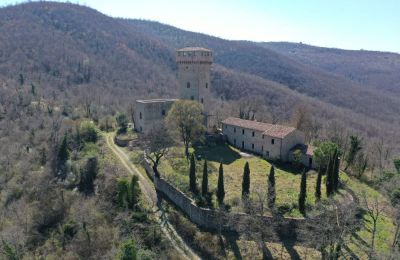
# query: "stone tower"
[[194, 65]]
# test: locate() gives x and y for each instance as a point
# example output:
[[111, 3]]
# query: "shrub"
[[88, 132], [128, 251]]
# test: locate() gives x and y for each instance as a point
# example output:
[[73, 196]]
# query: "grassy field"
[[175, 168], [361, 241]]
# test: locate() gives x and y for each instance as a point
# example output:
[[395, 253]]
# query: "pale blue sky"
[[349, 24]]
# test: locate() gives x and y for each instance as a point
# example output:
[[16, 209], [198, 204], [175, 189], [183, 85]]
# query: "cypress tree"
[[192, 174], [63, 153], [329, 170], [122, 192], [133, 193], [62, 157], [204, 184], [221, 189], [303, 193], [88, 175], [335, 174], [318, 185], [271, 188], [246, 181]]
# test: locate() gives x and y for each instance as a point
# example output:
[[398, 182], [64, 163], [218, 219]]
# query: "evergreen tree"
[[271, 188], [221, 189], [192, 175], [204, 184], [43, 156], [303, 193], [128, 251], [88, 175], [335, 173], [355, 147], [134, 191], [329, 171], [62, 157], [318, 185], [246, 181], [122, 192]]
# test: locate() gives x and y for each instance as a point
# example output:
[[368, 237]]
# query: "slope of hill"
[[368, 68], [61, 47], [65, 45], [250, 58]]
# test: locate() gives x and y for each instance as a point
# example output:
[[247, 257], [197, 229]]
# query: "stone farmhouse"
[[275, 142]]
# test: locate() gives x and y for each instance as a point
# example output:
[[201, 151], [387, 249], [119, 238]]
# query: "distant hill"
[[380, 70], [68, 51], [253, 59]]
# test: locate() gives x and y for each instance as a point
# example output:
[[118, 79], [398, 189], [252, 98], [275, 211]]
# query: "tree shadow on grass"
[[217, 153], [231, 239], [288, 239]]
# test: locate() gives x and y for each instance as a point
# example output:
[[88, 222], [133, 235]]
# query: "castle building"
[[150, 112], [194, 66], [274, 142]]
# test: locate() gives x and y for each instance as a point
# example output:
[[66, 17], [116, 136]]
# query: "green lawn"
[[175, 168], [385, 228]]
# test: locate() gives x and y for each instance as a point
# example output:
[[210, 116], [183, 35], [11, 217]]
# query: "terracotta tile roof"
[[279, 131]]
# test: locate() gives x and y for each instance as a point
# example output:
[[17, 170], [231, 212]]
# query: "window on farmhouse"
[[272, 141], [252, 146], [188, 85]]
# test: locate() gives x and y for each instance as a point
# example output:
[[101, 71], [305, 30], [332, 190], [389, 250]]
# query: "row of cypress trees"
[[204, 184], [332, 182]]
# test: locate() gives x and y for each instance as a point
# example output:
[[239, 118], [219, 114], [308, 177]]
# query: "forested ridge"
[[67, 71]]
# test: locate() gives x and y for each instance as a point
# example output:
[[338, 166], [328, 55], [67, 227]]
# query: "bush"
[[90, 150], [285, 208], [88, 132], [122, 121], [128, 251]]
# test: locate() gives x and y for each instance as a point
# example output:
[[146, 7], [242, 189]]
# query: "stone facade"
[[270, 141], [194, 66], [150, 112]]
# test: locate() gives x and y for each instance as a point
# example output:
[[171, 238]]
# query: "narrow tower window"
[[192, 97], [202, 100], [140, 115], [188, 85], [206, 85]]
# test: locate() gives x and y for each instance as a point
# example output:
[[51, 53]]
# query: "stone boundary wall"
[[214, 219]]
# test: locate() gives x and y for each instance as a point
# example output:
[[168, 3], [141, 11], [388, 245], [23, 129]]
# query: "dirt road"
[[149, 192]]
